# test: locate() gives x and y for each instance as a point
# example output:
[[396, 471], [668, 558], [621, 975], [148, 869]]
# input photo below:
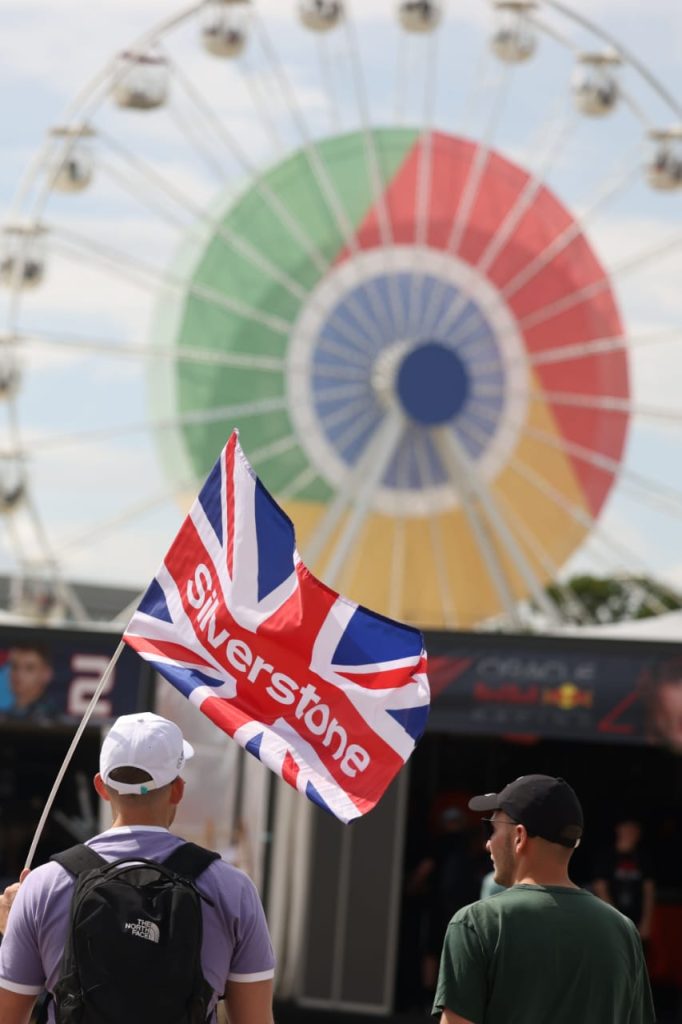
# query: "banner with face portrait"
[[611, 691], [47, 676]]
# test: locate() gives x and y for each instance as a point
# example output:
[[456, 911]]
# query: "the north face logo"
[[142, 929]]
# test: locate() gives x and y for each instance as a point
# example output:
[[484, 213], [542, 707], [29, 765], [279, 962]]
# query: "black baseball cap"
[[546, 806]]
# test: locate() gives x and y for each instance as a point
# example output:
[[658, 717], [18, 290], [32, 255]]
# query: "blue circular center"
[[433, 383]]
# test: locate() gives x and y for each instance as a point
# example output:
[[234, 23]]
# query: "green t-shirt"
[[543, 955]]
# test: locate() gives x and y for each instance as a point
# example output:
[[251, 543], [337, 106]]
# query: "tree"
[[612, 599]]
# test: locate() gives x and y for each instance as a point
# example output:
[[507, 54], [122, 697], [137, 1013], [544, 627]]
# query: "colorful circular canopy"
[[404, 392]]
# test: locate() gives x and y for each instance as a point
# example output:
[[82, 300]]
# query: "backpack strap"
[[78, 859], [189, 861]]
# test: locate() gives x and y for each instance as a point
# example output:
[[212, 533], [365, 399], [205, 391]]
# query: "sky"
[[104, 501]]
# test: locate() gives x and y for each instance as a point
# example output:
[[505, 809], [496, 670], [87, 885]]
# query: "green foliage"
[[612, 599]]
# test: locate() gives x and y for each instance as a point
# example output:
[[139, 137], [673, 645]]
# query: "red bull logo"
[[568, 696]]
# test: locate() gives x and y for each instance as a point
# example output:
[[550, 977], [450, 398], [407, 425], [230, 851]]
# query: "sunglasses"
[[489, 824]]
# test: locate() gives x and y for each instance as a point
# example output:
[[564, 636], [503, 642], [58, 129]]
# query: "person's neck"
[[543, 874], [139, 821]]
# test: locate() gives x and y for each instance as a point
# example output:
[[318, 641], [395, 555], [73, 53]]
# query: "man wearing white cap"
[[140, 775]]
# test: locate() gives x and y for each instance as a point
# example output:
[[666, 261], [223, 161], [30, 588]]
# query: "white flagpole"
[[69, 754]]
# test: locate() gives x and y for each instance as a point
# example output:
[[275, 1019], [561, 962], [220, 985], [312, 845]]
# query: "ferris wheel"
[[421, 255]]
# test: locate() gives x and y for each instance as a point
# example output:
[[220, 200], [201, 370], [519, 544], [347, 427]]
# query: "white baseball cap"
[[148, 742]]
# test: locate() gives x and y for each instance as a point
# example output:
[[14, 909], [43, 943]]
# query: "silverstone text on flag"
[[328, 694]]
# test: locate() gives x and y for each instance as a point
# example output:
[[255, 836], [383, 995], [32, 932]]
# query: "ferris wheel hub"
[[433, 383]]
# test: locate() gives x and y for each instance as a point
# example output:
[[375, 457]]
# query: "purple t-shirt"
[[236, 944]]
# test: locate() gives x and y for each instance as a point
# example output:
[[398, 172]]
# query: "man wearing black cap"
[[543, 951]]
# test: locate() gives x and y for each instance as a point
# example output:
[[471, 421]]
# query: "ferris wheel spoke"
[[423, 181], [607, 403], [425, 167], [127, 516], [636, 109], [357, 372], [357, 492], [364, 423], [67, 593], [557, 131], [332, 392], [143, 275], [139, 350], [436, 542], [258, 456], [468, 196], [383, 449], [616, 183], [371, 155], [553, 33], [325, 65], [557, 141], [356, 414], [402, 77], [321, 175], [477, 168], [549, 252], [552, 569], [262, 103], [583, 518], [483, 538], [302, 480], [374, 172], [270, 198], [313, 157], [196, 417], [147, 198], [188, 128], [653, 492], [574, 298], [399, 547], [574, 512], [353, 357], [599, 346], [231, 239], [455, 456]]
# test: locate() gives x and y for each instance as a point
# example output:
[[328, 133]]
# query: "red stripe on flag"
[[224, 714], [390, 679], [290, 770], [228, 476], [166, 649]]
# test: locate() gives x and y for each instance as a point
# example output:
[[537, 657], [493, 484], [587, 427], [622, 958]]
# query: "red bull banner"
[[562, 688]]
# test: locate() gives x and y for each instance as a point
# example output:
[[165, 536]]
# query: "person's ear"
[[177, 790], [520, 838], [101, 789]]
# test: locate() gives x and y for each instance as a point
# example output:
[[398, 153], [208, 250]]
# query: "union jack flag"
[[329, 695]]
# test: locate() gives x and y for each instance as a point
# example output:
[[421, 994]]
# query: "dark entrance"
[[612, 781], [30, 758]]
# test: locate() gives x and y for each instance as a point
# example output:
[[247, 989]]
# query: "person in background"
[[447, 875], [624, 877], [489, 887]]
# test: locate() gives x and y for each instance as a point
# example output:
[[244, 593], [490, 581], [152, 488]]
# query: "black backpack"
[[132, 954]]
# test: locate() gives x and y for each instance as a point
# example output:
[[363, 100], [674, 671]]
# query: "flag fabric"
[[329, 695]]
